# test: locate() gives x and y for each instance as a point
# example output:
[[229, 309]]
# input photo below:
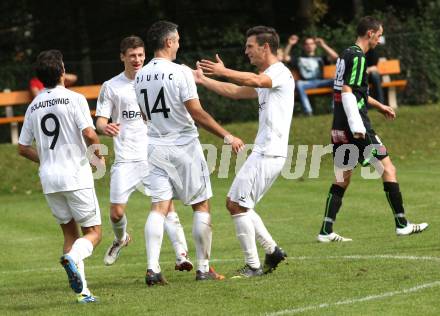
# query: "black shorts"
[[348, 151]]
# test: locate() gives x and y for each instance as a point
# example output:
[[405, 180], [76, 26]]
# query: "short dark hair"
[[368, 23], [158, 33], [49, 67], [307, 37], [131, 41], [265, 34]]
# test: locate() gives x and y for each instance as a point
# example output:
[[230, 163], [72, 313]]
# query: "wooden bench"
[[11, 99], [385, 68]]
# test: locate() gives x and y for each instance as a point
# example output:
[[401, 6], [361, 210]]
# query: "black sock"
[[332, 206], [394, 198]]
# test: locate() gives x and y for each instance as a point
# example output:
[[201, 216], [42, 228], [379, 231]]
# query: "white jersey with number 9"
[[55, 119]]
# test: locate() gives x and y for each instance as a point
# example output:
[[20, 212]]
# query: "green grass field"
[[376, 274]]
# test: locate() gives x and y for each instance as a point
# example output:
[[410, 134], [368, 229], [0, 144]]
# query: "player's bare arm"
[[28, 152], [202, 118], [91, 138], [225, 89], [243, 78], [106, 128], [387, 111]]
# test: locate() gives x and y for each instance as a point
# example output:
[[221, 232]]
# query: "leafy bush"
[[414, 40]]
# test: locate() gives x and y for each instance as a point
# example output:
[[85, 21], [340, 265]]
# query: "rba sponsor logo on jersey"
[[131, 114]]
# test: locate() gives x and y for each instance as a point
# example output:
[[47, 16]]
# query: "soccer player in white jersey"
[[59, 120], [117, 100], [168, 97], [274, 87]]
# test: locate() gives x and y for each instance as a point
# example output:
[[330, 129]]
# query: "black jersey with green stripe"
[[351, 71]]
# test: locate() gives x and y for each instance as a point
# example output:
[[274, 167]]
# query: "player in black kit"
[[354, 140]]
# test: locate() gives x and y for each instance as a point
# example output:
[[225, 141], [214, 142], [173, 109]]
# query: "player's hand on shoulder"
[[212, 68], [111, 129]]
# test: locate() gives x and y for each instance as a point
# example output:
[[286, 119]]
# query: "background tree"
[[88, 33]]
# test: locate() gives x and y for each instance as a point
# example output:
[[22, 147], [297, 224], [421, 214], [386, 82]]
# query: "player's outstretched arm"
[[225, 89], [106, 128], [202, 118], [28, 152], [387, 111], [243, 78]]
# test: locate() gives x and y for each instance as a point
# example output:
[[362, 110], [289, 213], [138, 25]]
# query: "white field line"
[[392, 257], [302, 258], [356, 300]]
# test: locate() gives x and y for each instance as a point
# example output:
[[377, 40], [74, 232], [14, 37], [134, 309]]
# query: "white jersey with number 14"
[[162, 87]]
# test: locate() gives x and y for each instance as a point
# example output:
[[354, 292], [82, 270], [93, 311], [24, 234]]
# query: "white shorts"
[[81, 205], [178, 172], [125, 177], [255, 177]]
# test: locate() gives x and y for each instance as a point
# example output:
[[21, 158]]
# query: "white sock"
[[153, 239], [120, 228], [246, 235], [81, 249], [177, 236], [80, 266], [202, 234], [261, 233]]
